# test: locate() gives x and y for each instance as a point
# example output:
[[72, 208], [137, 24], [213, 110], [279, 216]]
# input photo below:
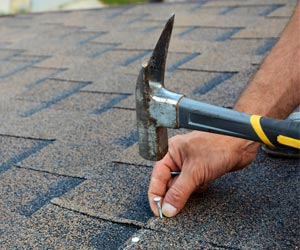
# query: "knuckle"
[[176, 195]]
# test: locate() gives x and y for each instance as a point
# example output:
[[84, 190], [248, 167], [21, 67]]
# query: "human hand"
[[201, 157]]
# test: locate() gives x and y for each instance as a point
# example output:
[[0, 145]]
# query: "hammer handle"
[[205, 117]]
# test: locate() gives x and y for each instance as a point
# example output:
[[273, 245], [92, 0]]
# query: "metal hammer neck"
[[164, 105]]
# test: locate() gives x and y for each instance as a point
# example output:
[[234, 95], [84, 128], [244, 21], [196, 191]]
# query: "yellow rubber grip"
[[288, 141], [255, 122]]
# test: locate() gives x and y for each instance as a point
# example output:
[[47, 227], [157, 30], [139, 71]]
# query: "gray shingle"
[[68, 116]]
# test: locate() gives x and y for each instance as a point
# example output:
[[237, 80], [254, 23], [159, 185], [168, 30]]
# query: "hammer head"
[[152, 134]]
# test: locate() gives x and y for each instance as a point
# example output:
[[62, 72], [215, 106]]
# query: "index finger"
[[161, 176]]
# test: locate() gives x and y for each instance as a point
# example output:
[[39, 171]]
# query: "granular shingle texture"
[[70, 173]]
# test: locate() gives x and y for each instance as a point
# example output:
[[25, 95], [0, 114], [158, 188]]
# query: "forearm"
[[274, 91]]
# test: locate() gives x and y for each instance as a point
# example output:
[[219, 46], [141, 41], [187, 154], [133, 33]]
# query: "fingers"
[[178, 194], [160, 180]]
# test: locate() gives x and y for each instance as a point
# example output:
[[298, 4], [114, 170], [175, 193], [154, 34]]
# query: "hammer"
[[158, 108]]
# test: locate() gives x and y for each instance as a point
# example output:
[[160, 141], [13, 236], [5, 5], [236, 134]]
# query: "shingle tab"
[[70, 173]]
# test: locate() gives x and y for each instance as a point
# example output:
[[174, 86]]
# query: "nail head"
[[157, 199]]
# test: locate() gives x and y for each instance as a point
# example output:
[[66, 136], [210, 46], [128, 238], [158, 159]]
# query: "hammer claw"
[[158, 58]]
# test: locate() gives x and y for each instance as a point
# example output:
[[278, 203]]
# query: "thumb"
[[177, 195]]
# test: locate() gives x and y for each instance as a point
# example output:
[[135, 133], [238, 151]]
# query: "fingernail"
[[168, 210]]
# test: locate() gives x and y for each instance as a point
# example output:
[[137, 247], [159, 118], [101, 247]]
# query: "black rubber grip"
[[280, 128]]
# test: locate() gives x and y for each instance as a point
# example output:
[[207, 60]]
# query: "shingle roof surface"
[[70, 174]]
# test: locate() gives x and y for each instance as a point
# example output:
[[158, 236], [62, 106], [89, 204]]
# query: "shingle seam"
[[109, 104], [123, 108], [112, 219], [71, 81], [131, 163], [105, 43], [250, 5], [105, 92], [27, 137], [248, 38], [48, 68], [211, 27], [43, 79], [23, 155], [132, 50], [143, 230], [207, 70], [287, 17], [182, 61], [49, 172]]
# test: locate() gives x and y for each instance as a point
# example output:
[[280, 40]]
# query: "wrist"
[[238, 152], [246, 151]]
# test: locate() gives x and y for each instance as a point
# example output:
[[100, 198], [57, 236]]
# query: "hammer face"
[[153, 142]]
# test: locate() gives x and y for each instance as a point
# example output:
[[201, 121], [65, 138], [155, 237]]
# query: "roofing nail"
[[157, 200]]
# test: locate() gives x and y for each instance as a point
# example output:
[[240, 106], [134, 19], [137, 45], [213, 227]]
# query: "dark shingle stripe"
[[41, 80], [199, 5], [270, 9], [12, 55], [62, 186], [136, 19], [184, 60], [24, 67], [135, 57], [150, 29], [266, 46], [113, 236], [55, 100], [90, 38], [228, 10], [187, 31], [25, 154], [226, 35], [127, 141], [206, 87], [119, 12], [101, 52], [71, 31], [108, 105]]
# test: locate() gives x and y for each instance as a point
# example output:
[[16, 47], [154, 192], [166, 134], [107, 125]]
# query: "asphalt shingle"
[[70, 173]]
